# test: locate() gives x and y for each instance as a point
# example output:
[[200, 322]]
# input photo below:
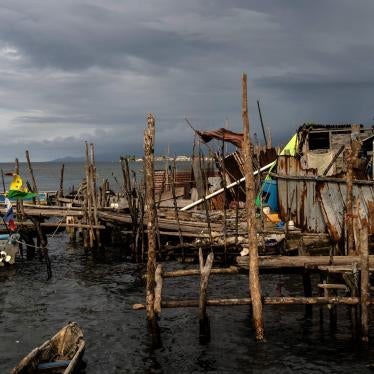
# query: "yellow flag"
[[291, 147], [16, 184]]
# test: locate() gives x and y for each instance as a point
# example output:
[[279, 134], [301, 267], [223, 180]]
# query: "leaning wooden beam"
[[229, 186], [254, 280], [337, 154], [299, 300]]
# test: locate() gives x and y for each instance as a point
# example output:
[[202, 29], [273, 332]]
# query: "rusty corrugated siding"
[[317, 204]]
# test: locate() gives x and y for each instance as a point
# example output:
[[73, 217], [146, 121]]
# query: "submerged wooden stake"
[[254, 279], [205, 268], [158, 289]]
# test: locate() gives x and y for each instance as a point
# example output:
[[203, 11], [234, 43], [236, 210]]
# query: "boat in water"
[[60, 354]]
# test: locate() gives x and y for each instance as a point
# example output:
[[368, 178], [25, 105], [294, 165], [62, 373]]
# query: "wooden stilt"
[[94, 194], [254, 279], [205, 268], [224, 198], [149, 136], [176, 206], [34, 186], [307, 284], [158, 289], [61, 189], [2, 179], [364, 259]]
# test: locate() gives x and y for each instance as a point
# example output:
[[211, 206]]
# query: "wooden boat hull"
[[61, 354]]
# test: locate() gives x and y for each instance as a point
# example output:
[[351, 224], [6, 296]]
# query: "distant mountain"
[[68, 159], [102, 157]]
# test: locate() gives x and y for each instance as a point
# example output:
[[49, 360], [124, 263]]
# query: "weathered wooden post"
[[254, 279], [349, 204], [149, 138], [364, 259], [34, 186], [175, 204], [158, 289], [61, 189], [94, 194], [351, 158], [203, 317]]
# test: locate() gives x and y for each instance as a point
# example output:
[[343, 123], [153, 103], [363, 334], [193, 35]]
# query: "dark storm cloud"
[[90, 70]]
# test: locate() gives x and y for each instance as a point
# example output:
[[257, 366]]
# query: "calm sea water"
[[47, 174], [98, 291]]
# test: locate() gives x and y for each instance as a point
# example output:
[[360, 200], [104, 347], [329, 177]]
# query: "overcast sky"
[[74, 70]]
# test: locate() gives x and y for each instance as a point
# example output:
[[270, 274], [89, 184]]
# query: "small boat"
[[8, 248], [60, 354]]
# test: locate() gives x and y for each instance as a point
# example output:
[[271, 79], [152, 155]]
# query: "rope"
[[67, 211]]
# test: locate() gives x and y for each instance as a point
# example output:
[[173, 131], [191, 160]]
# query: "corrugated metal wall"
[[317, 204]]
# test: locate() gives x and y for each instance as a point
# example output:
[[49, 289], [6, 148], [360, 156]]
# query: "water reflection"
[[98, 291]]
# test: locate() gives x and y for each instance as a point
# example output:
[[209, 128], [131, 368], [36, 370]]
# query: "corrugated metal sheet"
[[297, 198], [317, 204]]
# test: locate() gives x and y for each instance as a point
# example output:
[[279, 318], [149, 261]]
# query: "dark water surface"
[[98, 292]]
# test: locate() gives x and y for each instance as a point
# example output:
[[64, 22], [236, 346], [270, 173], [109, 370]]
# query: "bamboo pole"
[[229, 186], [254, 280], [149, 135], [364, 254]]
